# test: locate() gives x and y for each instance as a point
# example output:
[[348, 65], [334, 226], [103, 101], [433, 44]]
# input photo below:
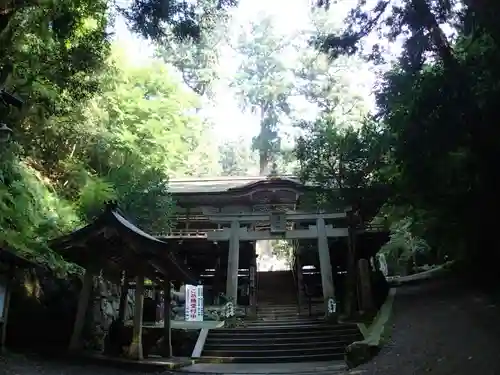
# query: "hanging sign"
[[3, 296], [194, 303]]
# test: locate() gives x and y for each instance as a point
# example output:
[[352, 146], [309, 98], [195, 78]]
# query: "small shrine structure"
[[115, 248]]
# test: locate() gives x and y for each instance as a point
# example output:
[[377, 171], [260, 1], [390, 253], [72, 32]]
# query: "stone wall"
[[42, 310], [103, 309]]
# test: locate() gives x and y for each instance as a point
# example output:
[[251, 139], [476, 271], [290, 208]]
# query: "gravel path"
[[440, 328]]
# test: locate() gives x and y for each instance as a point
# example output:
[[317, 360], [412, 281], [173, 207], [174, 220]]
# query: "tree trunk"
[[263, 163], [427, 19]]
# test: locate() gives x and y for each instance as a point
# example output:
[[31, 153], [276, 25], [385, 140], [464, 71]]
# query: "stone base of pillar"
[[135, 349], [165, 350], [332, 318], [251, 313]]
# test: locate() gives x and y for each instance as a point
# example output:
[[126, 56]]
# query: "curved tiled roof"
[[154, 252], [224, 184]]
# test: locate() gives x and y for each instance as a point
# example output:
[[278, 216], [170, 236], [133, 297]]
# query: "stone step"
[[273, 340], [290, 314], [265, 308], [243, 344], [282, 322], [286, 330], [304, 341], [273, 351], [290, 317], [268, 310], [307, 368], [291, 358], [273, 300]]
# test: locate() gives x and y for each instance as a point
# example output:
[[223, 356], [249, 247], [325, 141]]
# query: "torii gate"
[[236, 233]]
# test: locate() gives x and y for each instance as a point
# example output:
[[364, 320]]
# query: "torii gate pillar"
[[233, 262], [325, 263]]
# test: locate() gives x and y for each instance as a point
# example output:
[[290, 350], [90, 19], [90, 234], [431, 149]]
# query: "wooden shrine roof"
[[218, 185], [226, 191], [114, 244]]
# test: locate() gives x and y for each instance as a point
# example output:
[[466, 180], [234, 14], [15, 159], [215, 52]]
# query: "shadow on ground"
[[442, 328]]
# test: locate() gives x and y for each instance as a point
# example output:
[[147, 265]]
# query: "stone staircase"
[[276, 288], [283, 332], [267, 313], [293, 340], [277, 298]]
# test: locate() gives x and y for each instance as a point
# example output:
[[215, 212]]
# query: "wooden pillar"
[[216, 282], [158, 304], [233, 263], [4, 318], [167, 331], [300, 280], [123, 298], [366, 297], [350, 297], [135, 349], [83, 303], [325, 263], [253, 284], [186, 224]]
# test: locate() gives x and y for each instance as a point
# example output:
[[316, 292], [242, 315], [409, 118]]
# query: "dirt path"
[[440, 328]]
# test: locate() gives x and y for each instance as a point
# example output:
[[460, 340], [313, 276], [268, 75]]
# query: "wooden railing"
[[190, 218], [187, 233], [202, 233]]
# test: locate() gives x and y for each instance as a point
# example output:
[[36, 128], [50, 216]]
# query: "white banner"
[[194, 303]]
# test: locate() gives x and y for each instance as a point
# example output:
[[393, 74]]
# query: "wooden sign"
[[278, 222]]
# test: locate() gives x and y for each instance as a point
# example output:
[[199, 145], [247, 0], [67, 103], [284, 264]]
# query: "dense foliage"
[[92, 129], [95, 128], [433, 140]]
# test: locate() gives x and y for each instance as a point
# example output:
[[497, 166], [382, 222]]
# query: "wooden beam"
[[246, 235], [135, 349], [83, 303], [123, 298], [167, 331], [290, 216]]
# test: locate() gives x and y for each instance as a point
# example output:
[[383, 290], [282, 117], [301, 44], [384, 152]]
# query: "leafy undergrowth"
[[32, 213]]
